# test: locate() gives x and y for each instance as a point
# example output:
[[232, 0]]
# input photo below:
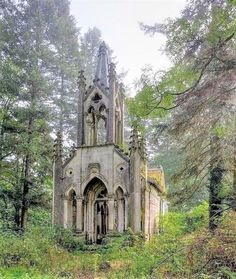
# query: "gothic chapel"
[[100, 190]]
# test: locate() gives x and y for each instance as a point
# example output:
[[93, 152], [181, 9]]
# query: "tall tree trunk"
[[215, 201], [234, 168], [234, 182], [1, 142], [25, 201], [215, 186], [17, 217], [26, 183], [62, 105]]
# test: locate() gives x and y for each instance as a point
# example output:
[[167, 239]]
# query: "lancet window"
[[96, 122]]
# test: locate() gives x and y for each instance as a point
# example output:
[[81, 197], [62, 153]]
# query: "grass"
[[181, 251]]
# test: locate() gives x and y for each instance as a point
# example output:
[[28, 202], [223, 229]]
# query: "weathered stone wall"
[[105, 162], [154, 210]]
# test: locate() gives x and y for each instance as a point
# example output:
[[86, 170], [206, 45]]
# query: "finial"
[[134, 142], [58, 146], [137, 142], [81, 79], [72, 150], [122, 89], [112, 71], [142, 147], [102, 48]]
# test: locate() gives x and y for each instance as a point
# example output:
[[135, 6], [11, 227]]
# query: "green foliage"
[[40, 59], [198, 41], [132, 239], [40, 217], [66, 239], [197, 217], [26, 250], [157, 96], [173, 224], [22, 273], [176, 224], [181, 250], [38, 94]]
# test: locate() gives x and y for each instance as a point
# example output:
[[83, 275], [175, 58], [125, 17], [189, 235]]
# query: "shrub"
[[215, 254], [197, 217], [34, 249], [173, 224], [132, 239], [176, 224], [40, 217], [66, 239]]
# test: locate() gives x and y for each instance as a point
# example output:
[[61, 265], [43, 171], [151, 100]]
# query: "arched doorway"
[[95, 211], [119, 210]]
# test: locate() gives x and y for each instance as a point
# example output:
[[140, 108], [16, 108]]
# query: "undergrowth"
[[183, 249]]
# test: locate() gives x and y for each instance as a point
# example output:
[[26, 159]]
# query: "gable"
[[96, 98]]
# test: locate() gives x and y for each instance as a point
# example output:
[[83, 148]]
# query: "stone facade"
[[99, 189]]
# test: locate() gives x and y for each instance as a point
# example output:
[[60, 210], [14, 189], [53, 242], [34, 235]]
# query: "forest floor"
[[185, 249]]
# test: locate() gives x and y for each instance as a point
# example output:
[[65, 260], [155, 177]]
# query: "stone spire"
[[112, 72], [112, 93], [81, 80], [101, 75]]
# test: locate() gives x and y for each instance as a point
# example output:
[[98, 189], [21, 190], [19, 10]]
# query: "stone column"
[[79, 214], [136, 212], [87, 133], [90, 220], [126, 213], [121, 215], [85, 217], [111, 215], [65, 219], [95, 131]]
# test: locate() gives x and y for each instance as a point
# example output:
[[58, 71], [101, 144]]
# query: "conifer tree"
[[199, 90], [34, 54]]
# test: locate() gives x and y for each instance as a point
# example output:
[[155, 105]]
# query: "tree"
[[64, 70], [89, 46], [88, 50], [33, 52], [199, 91], [27, 48]]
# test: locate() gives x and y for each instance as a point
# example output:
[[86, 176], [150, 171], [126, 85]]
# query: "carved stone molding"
[[94, 168]]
